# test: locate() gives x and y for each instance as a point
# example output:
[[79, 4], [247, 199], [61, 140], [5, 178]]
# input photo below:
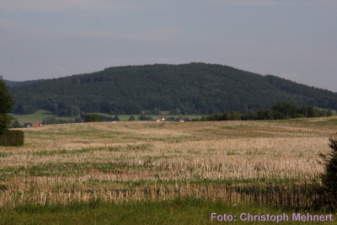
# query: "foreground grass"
[[177, 211]]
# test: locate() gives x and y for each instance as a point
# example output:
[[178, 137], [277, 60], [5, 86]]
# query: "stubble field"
[[237, 161]]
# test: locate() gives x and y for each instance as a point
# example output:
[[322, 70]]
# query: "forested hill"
[[195, 88], [20, 83]]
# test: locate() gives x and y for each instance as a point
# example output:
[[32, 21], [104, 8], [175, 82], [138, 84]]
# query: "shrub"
[[329, 178], [5, 122], [16, 124], [132, 118], [12, 138], [92, 117], [145, 118], [6, 104]]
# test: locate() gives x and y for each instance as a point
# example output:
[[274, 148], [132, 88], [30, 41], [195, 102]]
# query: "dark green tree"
[[284, 110], [329, 178], [16, 124], [132, 118], [92, 117], [6, 105], [329, 112]]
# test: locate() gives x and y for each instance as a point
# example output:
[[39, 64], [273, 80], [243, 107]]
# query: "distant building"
[[160, 119]]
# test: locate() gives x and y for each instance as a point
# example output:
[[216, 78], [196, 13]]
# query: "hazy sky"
[[294, 39]]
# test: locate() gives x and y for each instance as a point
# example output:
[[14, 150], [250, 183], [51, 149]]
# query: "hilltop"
[[20, 83], [195, 88]]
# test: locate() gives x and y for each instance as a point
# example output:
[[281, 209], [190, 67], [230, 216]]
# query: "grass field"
[[118, 169], [177, 212], [37, 117]]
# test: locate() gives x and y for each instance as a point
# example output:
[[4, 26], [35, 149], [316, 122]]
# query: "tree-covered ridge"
[[195, 88], [282, 110], [20, 83], [317, 96]]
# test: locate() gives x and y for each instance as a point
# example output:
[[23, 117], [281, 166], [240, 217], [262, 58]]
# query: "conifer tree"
[[329, 178], [6, 104]]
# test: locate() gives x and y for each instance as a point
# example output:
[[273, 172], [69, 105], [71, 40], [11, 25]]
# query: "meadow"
[[37, 117], [116, 166]]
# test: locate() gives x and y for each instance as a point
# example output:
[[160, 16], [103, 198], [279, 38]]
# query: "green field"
[[39, 115], [184, 211]]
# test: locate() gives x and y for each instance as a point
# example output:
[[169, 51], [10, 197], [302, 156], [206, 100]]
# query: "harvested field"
[[125, 161]]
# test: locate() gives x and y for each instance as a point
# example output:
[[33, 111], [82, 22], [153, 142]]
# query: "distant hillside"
[[195, 88], [20, 83]]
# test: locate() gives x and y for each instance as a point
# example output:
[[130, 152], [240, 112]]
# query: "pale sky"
[[293, 39]]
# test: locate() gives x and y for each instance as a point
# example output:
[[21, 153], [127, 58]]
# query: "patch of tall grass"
[[177, 211]]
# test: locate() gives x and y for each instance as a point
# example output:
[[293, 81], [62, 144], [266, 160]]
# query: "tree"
[[284, 110], [132, 118], [329, 113], [6, 105], [329, 178], [92, 117], [16, 124]]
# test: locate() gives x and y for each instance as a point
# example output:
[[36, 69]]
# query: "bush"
[[329, 178], [132, 118], [92, 117], [145, 118], [5, 122], [12, 138], [16, 124], [6, 104]]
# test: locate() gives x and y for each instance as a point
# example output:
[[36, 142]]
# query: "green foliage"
[[195, 88], [225, 116], [132, 118], [20, 83], [6, 104], [313, 96], [279, 111], [95, 117], [329, 178], [12, 138], [329, 112], [16, 124], [145, 118], [5, 122], [6, 101], [54, 120], [92, 117]]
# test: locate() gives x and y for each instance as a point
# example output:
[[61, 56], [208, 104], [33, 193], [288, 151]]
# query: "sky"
[[292, 39]]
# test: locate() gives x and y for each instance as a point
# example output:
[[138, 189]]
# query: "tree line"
[[279, 111]]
